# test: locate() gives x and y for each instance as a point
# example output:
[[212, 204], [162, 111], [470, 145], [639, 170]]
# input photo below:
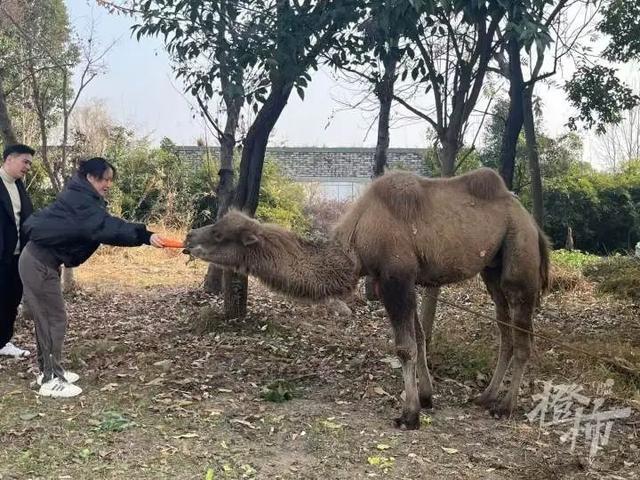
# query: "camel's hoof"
[[408, 421], [483, 401], [426, 402], [501, 410]]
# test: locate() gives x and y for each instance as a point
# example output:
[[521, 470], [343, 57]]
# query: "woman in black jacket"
[[68, 232]]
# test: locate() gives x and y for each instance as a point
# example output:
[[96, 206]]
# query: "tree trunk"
[[6, 129], [532, 154], [232, 83], [384, 92], [235, 294], [68, 280], [248, 190], [213, 282], [254, 148], [447, 156], [515, 117], [42, 123], [65, 129]]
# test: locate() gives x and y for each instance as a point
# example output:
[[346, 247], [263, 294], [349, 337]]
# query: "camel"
[[406, 230]]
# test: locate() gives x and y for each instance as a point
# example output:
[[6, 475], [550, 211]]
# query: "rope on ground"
[[612, 361]]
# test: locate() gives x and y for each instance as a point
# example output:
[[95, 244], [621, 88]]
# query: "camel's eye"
[[218, 237]]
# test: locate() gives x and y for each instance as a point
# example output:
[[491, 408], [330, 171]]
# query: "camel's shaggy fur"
[[407, 230], [310, 270]]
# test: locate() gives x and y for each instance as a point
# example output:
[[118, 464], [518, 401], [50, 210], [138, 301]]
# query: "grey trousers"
[[43, 296]]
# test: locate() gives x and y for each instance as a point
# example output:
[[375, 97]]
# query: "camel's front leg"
[[398, 295]]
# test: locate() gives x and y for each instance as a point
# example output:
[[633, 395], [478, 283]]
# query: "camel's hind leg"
[[522, 301], [491, 279], [519, 282], [425, 388], [399, 297], [428, 313]]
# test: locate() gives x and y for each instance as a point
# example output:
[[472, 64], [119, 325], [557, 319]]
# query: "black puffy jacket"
[[77, 222]]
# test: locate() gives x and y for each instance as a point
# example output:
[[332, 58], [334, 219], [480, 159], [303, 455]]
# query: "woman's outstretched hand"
[[156, 241]]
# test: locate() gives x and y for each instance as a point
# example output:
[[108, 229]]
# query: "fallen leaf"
[[383, 446], [382, 462], [186, 435], [155, 381], [164, 365], [448, 450], [28, 416], [330, 425], [393, 362], [380, 391], [425, 420], [243, 422]]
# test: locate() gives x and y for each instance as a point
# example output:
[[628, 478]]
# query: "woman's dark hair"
[[95, 167]]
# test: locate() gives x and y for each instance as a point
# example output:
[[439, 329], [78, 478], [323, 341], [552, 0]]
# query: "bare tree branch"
[[205, 111], [417, 112]]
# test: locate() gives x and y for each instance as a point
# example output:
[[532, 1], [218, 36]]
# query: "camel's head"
[[227, 242]]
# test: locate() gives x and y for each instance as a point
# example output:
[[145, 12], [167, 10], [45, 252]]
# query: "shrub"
[[323, 213], [573, 259], [566, 269], [281, 200], [618, 275], [156, 185], [602, 210]]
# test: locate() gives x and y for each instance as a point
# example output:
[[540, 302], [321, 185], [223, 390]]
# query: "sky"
[[139, 90]]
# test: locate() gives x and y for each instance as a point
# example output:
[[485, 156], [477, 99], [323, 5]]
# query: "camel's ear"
[[249, 238]]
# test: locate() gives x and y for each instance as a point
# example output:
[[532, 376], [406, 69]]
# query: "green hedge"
[[603, 210]]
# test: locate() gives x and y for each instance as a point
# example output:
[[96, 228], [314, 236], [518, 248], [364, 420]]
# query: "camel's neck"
[[303, 269]]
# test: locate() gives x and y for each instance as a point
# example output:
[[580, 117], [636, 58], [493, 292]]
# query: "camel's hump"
[[484, 183], [401, 192], [405, 193]]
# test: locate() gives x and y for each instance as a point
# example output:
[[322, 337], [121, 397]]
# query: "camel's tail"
[[545, 264]]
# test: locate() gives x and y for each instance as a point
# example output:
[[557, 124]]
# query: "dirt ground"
[[163, 400]]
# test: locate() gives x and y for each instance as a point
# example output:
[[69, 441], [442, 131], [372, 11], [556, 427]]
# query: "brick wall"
[[302, 163]]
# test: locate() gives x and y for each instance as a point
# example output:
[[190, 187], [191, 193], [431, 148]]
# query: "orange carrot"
[[172, 243]]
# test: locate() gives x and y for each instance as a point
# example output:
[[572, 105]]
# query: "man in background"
[[15, 208]]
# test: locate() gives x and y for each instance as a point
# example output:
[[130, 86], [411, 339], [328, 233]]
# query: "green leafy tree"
[[620, 23], [450, 51], [599, 96], [283, 42], [558, 155], [372, 53], [595, 89], [39, 56]]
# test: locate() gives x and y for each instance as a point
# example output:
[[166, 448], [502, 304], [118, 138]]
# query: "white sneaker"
[[69, 377], [59, 389], [11, 350]]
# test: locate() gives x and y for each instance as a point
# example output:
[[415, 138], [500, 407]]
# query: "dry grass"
[[566, 279], [619, 276]]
